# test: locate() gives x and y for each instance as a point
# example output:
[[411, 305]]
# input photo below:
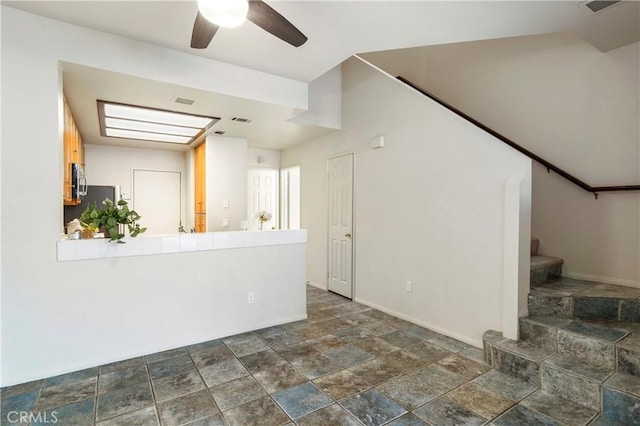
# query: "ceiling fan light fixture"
[[224, 13]]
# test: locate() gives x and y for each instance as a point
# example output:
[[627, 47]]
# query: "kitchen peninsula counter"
[[72, 250], [160, 292]]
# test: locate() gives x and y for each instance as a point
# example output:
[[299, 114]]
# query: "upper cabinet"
[[73, 153]]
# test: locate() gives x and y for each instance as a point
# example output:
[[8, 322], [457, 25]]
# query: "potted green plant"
[[112, 217]]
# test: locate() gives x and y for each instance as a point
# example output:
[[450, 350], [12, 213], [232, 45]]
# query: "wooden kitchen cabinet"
[[73, 153], [200, 187]]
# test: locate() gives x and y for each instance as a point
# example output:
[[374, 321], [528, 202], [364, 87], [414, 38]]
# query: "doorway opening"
[[157, 197], [290, 198], [262, 196]]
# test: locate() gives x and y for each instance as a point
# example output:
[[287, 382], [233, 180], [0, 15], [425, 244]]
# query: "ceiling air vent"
[[241, 120], [598, 5], [184, 101]]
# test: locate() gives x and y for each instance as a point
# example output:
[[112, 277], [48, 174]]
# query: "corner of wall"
[[325, 101]]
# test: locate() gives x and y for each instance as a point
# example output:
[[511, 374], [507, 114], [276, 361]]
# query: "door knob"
[[348, 235]]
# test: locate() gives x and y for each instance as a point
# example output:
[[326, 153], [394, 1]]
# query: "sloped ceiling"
[[336, 30], [339, 29]]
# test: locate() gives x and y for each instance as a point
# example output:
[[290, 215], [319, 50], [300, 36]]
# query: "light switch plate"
[[225, 222], [225, 204]]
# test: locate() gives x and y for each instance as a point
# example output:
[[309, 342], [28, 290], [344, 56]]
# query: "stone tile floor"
[[346, 365]]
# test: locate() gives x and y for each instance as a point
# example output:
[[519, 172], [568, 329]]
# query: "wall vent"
[[597, 6], [241, 120], [185, 101]]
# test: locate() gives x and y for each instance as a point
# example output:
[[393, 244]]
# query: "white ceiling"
[[336, 30], [268, 128]]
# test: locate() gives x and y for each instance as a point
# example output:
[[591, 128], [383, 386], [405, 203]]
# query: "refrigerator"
[[95, 193]]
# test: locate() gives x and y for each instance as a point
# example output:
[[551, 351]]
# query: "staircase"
[[543, 268], [580, 346]]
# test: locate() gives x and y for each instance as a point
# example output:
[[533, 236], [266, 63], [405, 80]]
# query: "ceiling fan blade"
[[203, 32], [271, 21]]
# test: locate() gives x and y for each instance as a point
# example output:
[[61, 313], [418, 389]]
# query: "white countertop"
[[70, 250]]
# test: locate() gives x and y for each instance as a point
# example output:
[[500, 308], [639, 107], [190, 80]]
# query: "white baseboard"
[[320, 286], [606, 280], [432, 327]]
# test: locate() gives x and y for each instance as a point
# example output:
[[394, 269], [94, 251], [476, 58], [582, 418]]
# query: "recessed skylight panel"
[[140, 123], [157, 137], [119, 123]]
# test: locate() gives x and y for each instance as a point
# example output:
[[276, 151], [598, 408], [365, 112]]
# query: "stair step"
[[573, 380], [569, 358], [619, 408], [630, 310], [520, 360], [544, 335], [588, 349], [543, 304], [579, 367], [564, 286], [505, 385], [559, 408], [580, 350], [490, 338], [624, 383], [570, 298], [593, 342], [544, 268], [628, 355], [526, 349], [608, 331]]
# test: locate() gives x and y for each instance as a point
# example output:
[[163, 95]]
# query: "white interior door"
[[341, 225], [263, 195], [157, 198]]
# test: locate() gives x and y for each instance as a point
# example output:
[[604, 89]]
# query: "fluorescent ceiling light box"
[[150, 124]]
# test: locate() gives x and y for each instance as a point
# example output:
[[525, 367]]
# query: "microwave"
[[78, 181]]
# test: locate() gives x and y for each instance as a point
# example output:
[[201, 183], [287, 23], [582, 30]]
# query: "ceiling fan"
[[214, 14]]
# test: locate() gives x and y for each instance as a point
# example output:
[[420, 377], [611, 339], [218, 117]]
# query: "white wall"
[[325, 101], [599, 240], [114, 165], [226, 180], [627, 58], [121, 308], [566, 101], [263, 158], [89, 312], [429, 207]]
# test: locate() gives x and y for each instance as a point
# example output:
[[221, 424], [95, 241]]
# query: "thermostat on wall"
[[377, 142]]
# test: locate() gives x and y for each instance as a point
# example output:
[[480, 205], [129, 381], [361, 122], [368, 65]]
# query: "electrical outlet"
[[251, 298], [225, 222], [409, 286], [225, 204]]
